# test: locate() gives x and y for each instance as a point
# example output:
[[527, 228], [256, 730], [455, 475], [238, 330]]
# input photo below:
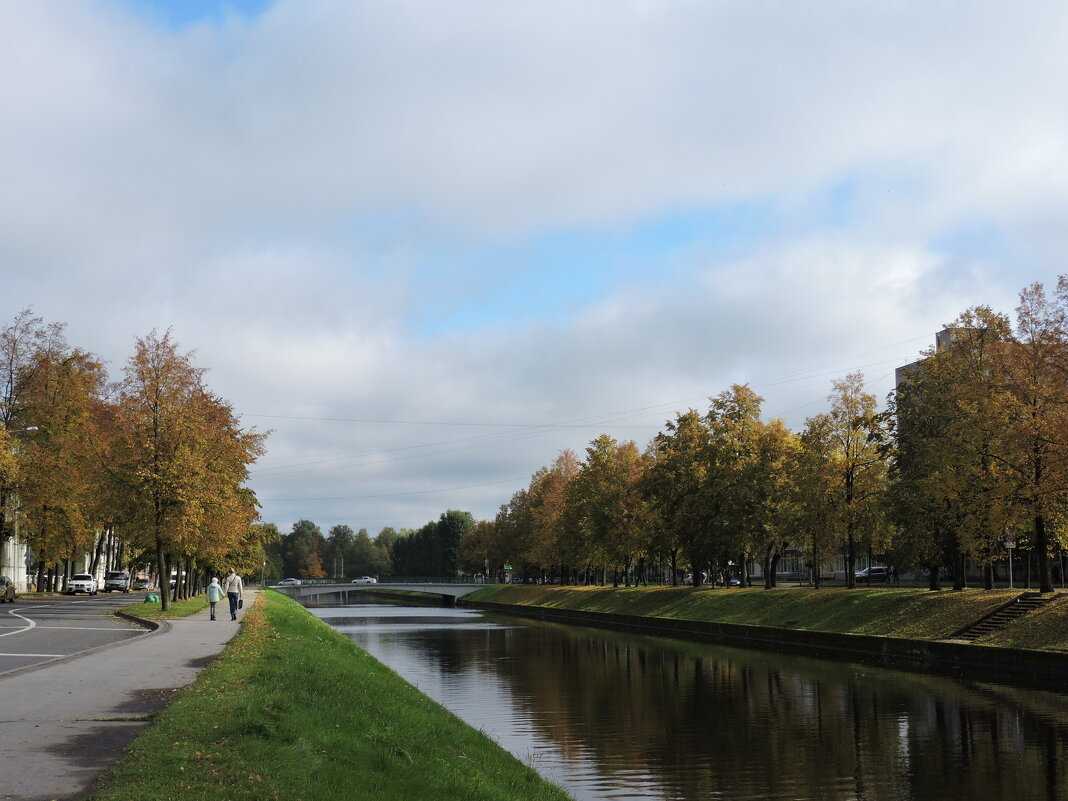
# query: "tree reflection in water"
[[619, 715]]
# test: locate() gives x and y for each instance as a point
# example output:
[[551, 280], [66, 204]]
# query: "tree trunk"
[[851, 556], [163, 568], [1045, 582], [773, 577], [97, 551]]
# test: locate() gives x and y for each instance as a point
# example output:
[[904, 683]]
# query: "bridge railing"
[[434, 580], [397, 580]]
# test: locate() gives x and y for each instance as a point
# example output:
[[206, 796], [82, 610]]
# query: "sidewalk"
[[64, 724]]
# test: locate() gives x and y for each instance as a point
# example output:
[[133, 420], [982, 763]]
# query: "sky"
[[429, 244]]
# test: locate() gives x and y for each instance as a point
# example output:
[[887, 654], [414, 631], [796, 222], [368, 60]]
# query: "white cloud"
[[291, 193]]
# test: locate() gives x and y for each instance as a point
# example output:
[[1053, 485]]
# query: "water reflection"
[[620, 716]]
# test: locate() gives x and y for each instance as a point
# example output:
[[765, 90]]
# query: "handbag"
[[240, 603]]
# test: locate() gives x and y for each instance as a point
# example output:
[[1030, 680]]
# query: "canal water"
[[612, 715]]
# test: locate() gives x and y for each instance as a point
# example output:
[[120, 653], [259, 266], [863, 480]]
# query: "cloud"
[[431, 245]]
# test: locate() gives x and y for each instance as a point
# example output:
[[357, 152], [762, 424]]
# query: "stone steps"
[[1015, 609]]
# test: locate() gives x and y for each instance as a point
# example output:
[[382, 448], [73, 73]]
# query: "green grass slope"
[[294, 710], [888, 612]]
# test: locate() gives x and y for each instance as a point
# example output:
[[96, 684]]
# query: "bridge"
[[339, 593]]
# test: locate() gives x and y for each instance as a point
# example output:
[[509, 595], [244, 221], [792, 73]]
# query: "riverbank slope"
[[291, 710], [906, 613]]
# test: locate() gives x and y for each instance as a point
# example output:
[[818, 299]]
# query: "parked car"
[[82, 582], [141, 584], [289, 582], [873, 573], [365, 580], [7, 590], [117, 580]]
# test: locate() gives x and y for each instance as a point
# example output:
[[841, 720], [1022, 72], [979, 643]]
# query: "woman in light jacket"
[[233, 588]]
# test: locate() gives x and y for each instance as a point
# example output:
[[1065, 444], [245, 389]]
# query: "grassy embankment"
[[294, 710], [886, 612]]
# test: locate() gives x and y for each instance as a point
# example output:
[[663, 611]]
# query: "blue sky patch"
[[550, 277], [180, 14]]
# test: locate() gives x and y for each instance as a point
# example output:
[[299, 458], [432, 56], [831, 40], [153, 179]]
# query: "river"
[[612, 715]]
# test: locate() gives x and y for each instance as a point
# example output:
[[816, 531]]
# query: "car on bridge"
[[289, 582], [365, 580]]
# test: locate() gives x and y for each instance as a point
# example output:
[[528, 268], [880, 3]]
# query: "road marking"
[[48, 655], [32, 624]]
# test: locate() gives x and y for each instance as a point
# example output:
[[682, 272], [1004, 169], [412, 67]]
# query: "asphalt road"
[[64, 721], [36, 631]]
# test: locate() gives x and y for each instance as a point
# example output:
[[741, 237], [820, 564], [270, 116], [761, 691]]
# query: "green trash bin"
[[152, 598]]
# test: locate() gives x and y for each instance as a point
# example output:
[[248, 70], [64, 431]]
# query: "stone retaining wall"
[[1046, 669]]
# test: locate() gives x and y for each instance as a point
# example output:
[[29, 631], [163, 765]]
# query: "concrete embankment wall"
[[1049, 670]]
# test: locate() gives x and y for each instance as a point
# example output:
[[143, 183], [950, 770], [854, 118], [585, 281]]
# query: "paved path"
[[64, 723]]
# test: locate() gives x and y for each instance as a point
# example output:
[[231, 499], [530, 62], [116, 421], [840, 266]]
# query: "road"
[[36, 631], [65, 720]]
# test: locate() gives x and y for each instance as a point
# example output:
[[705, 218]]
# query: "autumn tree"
[[777, 494], [1036, 371], [60, 487], [180, 457], [552, 540], [675, 485], [22, 345], [736, 485], [610, 502], [857, 504], [514, 530], [816, 468], [951, 494]]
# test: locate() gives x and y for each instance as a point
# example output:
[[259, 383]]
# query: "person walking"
[[233, 588], [215, 595]]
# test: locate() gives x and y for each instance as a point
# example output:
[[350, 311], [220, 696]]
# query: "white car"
[[118, 580], [82, 582], [289, 582], [365, 580]]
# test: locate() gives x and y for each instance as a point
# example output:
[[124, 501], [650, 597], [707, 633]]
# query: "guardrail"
[[395, 580]]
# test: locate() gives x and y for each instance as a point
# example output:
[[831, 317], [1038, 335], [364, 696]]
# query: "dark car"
[[873, 573], [7, 590]]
